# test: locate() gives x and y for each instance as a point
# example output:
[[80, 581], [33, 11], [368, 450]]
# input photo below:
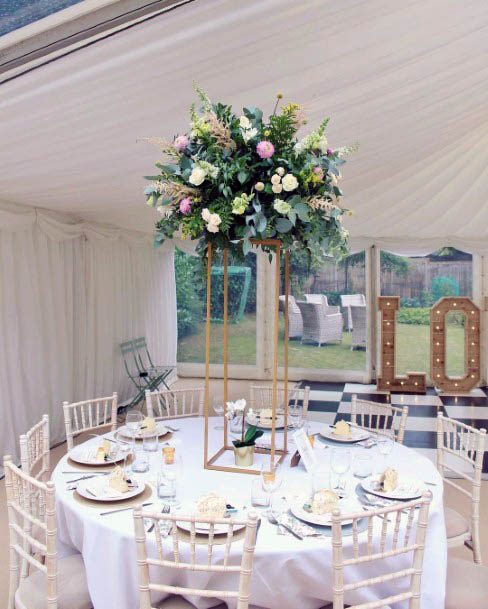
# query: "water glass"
[[320, 477], [295, 414], [133, 422], [362, 465], [150, 442], [340, 461], [140, 463], [167, 482], [259, 497]]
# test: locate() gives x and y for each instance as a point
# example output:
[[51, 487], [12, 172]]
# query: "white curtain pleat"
[[65, 305]]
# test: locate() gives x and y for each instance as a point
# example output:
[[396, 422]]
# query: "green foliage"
[[189, 282], [252, 434], [414, 316], [236, 281], [220, 160], [334, 298], [444, 286], [394, 263]]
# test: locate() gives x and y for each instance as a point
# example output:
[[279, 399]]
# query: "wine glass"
[[296, 416], [133, 422], [340, 461], [271, 479], [218, 407], [385, 446]]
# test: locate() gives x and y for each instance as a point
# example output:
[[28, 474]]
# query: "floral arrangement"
[[249, 437], [233, 179]]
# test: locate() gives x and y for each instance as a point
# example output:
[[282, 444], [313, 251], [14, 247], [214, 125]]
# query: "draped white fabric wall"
[[69, 294]]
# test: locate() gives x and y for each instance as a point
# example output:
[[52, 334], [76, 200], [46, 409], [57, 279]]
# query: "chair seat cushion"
[[456, 524], [467, 585], [72, 589]]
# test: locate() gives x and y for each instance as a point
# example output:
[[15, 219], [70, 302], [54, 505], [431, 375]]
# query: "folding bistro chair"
[[140, 369]]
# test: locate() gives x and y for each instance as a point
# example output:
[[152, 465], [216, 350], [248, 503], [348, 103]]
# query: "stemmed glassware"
[[218, 407], [271, 479], [340, 461], [385, 446], [133, 422]]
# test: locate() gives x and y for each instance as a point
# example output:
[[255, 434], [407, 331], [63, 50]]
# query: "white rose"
[[214, 219], [244, 122], [197, 176], [212, 228], [259, 186], [333, 179], [275, 179], [277, 188], [206, 215], [280, 171], [290, 182], [248, 134]]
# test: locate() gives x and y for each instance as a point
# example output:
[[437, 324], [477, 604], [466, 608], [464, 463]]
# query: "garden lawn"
[[412, 348]]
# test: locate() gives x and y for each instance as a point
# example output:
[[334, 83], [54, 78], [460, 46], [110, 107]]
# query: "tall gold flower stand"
[[220, 460]]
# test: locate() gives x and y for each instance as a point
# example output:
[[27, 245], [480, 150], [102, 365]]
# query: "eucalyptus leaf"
[[246, 246], [261, 222], [242, 176], [283, 225]]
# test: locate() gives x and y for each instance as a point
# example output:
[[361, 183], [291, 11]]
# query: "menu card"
[[305, 449]]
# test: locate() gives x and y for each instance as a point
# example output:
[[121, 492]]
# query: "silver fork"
[[165, 510]]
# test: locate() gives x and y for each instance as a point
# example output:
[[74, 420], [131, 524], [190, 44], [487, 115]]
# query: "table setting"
[[95, 503]]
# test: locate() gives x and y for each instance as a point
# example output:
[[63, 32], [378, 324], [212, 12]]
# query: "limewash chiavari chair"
[[34, 450], [88, 415], [463, 444], [262, 396], [187, 555], [383, 419], [175, 404], [394, 540], [53, 584]]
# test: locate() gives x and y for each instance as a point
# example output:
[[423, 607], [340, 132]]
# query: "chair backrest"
[[34, 450], [348, 300], [89, 414], [185, 553], [384, 419], [262, 396], [175, 404], [358, 313], [461, 445], [142, 352], [310, 313], [24, 496], [317, 299], [132, 364], [292, 303], [398, 537]]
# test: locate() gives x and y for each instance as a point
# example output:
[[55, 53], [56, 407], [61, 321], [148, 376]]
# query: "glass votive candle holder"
[[311, 439], [150, 442], [168, 455], [362, 465]]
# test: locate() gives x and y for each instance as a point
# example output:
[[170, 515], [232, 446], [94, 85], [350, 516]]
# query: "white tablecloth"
[[288, 573]]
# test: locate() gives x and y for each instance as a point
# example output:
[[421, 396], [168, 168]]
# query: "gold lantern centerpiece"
[[237, 181], [218, 460]]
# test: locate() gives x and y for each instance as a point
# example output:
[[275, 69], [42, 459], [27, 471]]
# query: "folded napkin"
[[300, 528], [264, 441]]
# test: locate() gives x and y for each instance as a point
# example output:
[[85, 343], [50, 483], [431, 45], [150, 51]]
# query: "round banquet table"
[[288, 572]]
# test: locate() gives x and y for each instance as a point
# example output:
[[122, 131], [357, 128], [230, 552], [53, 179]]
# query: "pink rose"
[[330, 152], [265, 149], [185, 206], [181, 142], [319, 172]]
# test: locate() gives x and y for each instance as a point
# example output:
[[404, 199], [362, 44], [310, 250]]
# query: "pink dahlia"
[[265, 149], [185, 206], [181, 142]]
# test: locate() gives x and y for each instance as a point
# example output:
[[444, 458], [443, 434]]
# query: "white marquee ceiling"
[[406, 80]]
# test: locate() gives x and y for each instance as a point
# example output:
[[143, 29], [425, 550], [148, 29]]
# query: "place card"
[[305, 449]]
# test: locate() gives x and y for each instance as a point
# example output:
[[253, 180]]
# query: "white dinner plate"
[[348, 505], [203, 528], [101, 483], [357, 435], [408, 488], [161, 430], [85, 454], [279, 423]]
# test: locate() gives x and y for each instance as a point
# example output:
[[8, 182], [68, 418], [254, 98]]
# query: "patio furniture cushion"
[[72, 590], [456, 524], [467, 585]]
